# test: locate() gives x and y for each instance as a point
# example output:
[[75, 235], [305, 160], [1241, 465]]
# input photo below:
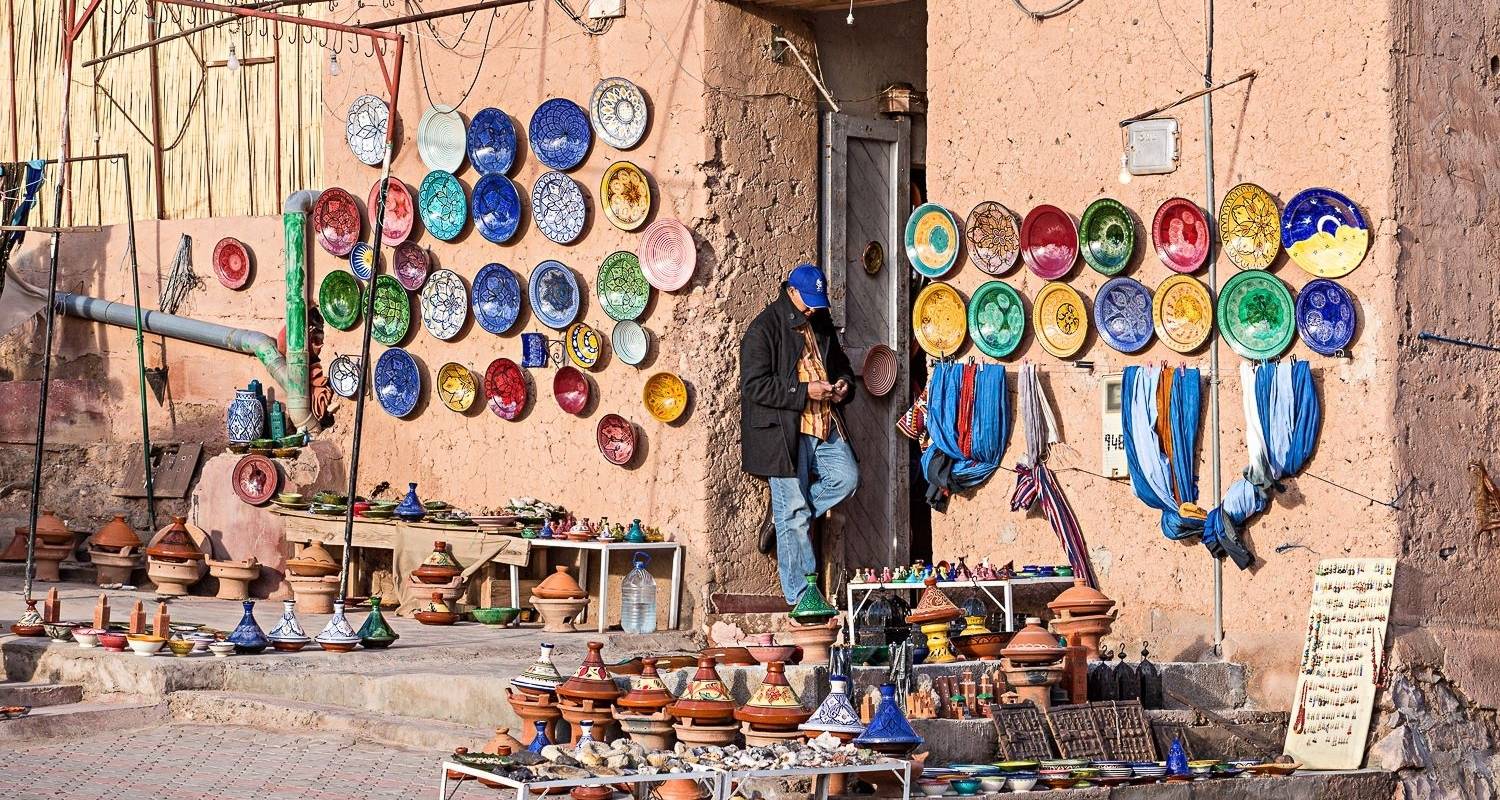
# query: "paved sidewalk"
[[210, 762]]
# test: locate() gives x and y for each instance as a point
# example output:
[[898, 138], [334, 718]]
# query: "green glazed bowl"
[[496, 616]]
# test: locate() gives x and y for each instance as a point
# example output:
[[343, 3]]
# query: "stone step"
[[72, 572], [38, 695], [80, 719], [231, 708]]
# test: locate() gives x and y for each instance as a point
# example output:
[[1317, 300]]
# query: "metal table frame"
[[731, 779], [523, 789], [606, 549], [1006, 591], [724, 781]]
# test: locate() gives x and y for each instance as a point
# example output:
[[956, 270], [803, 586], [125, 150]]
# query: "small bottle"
[[638, 598], [540, 740]]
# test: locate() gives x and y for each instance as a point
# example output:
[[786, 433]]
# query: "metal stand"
[[1006, 590], [525, 789], [731, 780]]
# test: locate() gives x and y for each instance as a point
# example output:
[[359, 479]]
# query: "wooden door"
[[865, 200]]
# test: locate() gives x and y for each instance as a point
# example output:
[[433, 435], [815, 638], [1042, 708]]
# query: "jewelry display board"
[[1023, 732], [1343, 657]]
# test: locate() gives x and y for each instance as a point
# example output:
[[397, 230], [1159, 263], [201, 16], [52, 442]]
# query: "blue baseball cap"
[[810, 284]]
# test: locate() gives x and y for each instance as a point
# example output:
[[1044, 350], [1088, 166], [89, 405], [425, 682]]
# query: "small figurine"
[[547, 532], [653, 534], [886, 576], [635, 534], [1007, 572], [901, 576], [617, 532], [961, 571], [918, 572]]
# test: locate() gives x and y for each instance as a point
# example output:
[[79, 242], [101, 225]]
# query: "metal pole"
[[140, 341], [1213, 287], [447, 12], [158, 172]]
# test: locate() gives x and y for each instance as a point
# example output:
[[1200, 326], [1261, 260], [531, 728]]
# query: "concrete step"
[[73, 572], [230, 708], [38, 695], [80, 719]]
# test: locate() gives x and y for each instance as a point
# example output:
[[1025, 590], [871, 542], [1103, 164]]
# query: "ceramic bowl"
[[113, 641], [87, 637], [933, 788], [60, 631], [1020, 781], [262, 443], [222, 649], [180, 647], [965, 786], [766, 653], [992, 784], [145, 645], [498, 615]]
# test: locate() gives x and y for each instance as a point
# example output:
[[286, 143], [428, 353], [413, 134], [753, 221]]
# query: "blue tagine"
[[411, 509], [888, 731], [247, 637], [836, 715]]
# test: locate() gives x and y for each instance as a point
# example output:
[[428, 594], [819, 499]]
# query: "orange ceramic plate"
[[665, 396], [1183, 313], [625, 196], [1060, 320], [940, 320]]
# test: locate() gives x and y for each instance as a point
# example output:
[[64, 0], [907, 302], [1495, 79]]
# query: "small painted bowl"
[[60, 631], [201, 641], [222, 649], [87, 637], [992, 784], [1020, 781], [180, 647], [145, 645], [113, 641], [933, 788], [498, 615], [965, 786]]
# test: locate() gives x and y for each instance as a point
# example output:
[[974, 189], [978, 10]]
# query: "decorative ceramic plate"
[[410, 265], [336, 221], [398, 384], [497, 298], [1250, 227], [584, 344], [1325, 316], [505, 390], [1122, 310], [1256, 314], [1324, 232], [343, 376], [392, 311], [623, 290], [1183, 313], [365, 129], [625, 196], [997, 319], [571, 389], [1060, 319], [932, 240], [1049, 242], [256, 479], [1180, 233], [630, 342], [880, 370], [497, 207], [400, 212], [559, 133], [618, 111], [1106, 236], [442, 139], [339, 299], [668, 254], [492, 142], [553, 292], [232, 262], [937, 319], [362, 260], [445, 304], [994, 237], [558, 207], [456, 386], [616, 438], [444, 207], [665, 396]]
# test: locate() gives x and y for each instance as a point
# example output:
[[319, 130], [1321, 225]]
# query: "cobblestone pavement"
[[202, 762]]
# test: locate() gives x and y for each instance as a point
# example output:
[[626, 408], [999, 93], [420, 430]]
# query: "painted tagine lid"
[[115, 535], [376, 632], [591, 681], [1033, 645], [176, 544], [542, 676], [439, 567], [338, 632], [812, 609], [647, 694], [1081, 599], [774, 705], [707, 699], [934, 606], [888, 731], [247, 637], [288, 628], [836, 714], [559, 586]]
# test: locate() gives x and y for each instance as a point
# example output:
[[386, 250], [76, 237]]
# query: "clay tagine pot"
[[533, 709], [647, 694], [437, 612], [176, 544], [313, 561], [116, 535], [503, 739], [439, 567], [591, 681], [815, 641], [981, 646], [30, 623], [540, 679], [730, 656], [51, 530], [934, 606], [559, 586], [707, 699], [1085, 631], [1033, 645], [774, 706], [1081, 599], [812, 609]]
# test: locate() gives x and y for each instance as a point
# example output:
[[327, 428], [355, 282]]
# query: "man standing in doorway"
[[793, 378]]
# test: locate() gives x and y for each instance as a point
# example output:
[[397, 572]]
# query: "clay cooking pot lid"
[[176, 543], [647, 692], [774, 704], [934, 606], [591, 681], [1083, 598], [116, 534], [1033, 644], [559, 586], [707, 699]]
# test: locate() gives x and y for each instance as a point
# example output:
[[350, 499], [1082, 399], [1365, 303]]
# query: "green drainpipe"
[[294, 229]]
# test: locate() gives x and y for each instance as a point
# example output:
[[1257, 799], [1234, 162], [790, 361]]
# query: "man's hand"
[[840, 390], [820, 390]]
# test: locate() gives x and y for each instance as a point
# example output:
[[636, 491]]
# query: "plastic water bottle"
[[638, 598]]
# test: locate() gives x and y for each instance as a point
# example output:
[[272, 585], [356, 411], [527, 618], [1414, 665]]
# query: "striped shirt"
[[817, 415]]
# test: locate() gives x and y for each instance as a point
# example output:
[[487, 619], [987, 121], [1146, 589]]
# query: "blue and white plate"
[[497, 298], [497, 208], [398, 383], [445, 304], [560, 134], [492, 142], [1325, 316], [619, 112], [362, 260], [554, 294], [1122, 310], [443, 204], [365, 129], [558, 207]]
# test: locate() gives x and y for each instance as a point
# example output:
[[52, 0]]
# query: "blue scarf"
[[989, 430], [1153, 476]]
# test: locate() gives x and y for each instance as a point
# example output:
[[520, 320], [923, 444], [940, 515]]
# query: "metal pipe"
[[294, 232], [446, 12], [155, 40], [1213, 288]]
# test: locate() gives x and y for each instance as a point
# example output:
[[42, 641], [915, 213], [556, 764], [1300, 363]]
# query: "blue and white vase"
[[247, 417], [411, 508], [587, 734], [888, 731], [338, 635], [247, 637], [540, 740], [1177, 761], [288, 629], [835, 714]]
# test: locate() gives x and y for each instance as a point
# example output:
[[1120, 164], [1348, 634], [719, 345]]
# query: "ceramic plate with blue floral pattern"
[[444, 207], [554, 294], [445, 304], [1325, 316], [558, 207], [398, 383], [560, 134], [497, 208], [492, 142], [1122, 310], [496, 298], [619, 112]]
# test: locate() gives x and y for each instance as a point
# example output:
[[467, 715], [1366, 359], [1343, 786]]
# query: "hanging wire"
[[1038, 16]]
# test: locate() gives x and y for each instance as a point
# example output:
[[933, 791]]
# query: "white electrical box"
[[1111, 400], [606, 9], [1151, 146]]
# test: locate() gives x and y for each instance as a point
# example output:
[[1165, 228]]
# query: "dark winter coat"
[[771, 396]]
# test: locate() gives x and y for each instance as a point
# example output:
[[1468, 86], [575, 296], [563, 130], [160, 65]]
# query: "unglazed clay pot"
[[114, 566], [116, 535], [312, 562], [559, 586], [533, 709], [815, 641], [234, 577], [51, 530], [314, 594], [557, 615], [693, 733], [1033, 645], [774, 706], [651, 731], [48, 561], [439, 567], [1081, 600], [172, 578]]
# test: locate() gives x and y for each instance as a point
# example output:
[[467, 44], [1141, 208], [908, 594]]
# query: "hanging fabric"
[[1036, 483], [968, 420], [17, 197], [1163, 473]]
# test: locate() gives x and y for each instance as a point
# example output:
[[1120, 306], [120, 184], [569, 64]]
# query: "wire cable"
[[1038, 16]]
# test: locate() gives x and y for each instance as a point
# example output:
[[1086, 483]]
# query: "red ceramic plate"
[[571, 389], [336, 221], [410, 265], [255, 479], [616, 439], [505, 388], [232, 262], [400, 212], [1180, 233], [1049, 242]]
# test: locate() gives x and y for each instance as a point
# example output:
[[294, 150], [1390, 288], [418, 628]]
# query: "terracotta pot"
[[647, 693], [503, 741], [729, 656], [116, 535], [774, 706], [313, 561], [600, 713], [651, 731], [592, 792], [532, 709], [1085, 631], [114, 566], [680, 789], [314, 594], [176, 544], [234, 577], [172, 578], [815, 641], [51, 530], [756, 737], [49, 560], [982, 646], [693, 733], [591, 681], [559, 586], [557, 614], [1033, 645], [934, 606], [707, 699], [439, 567], [1080, 600]]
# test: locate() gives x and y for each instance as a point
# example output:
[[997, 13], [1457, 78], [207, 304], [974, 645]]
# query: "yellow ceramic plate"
[[1250, 227], [1183, 313], [457, 387], [583, 345], [665, 396], [940, 319], [1060, 320], [625, 196]]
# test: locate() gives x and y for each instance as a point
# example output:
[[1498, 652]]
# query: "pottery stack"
[[1033, 663], [641, 711], [533, 696], [115, 551], [440, 572], [313, 575], [705, 711], [1084, 615], [54, 542], [773, 712], [559, 599], [173, 561], [814, 624], [590, 695], [933, 613]]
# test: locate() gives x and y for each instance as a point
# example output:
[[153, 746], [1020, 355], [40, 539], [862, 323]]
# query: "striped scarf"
[[1035, 482]]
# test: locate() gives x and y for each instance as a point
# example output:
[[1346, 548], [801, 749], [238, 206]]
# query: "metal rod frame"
[[160, 40], [1216, 437]]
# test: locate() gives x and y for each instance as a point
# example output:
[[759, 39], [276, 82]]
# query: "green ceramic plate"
[[1106, 236], [392, 311], [338, 299], [623, 290], [1255, 314], [997, 319]]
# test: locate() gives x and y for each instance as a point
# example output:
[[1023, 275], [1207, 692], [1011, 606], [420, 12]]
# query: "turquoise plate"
[[443, 204], [997, 319]]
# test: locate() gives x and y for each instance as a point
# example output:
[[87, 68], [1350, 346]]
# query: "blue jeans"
[[826, 476]]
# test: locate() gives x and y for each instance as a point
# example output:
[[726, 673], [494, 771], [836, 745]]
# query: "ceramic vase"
[[246, 419], [247, 637], [635, 534], [411, 509], [811, 608], [835, 715], [338, 635], [376, 633], [288, 633], [586, 734], [888, 731], [539, 739]]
